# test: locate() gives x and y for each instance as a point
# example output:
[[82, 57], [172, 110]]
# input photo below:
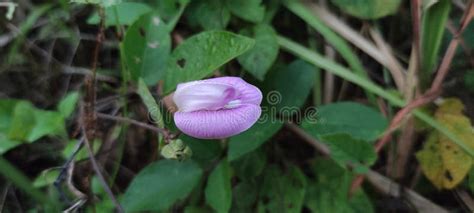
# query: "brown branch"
[[98, 172], [90, 115], [164, 132], [416, 17], [90, 96]]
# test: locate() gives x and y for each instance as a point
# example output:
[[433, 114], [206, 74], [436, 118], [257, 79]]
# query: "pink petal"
[[217, 124], [248, 93], [203, 96]]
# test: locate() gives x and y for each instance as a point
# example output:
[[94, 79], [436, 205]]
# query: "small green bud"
[[176, 149]]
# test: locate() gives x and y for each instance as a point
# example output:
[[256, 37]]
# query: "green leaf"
[[7, 144], [253, 138], [328, 192], [147, 46], [47, 123], [284, 192], [167, 8], [249, 10], [357, 120], [204, 151], [23, 121], [124, 13], [250, 165], [431, 37], [68, 104], [368, 9], [200, 55], [218, 190], [291, 96], [245, 195], [7, 107], [46, 178], [345, 150], [260, 58], [209, 14], [161, 184]]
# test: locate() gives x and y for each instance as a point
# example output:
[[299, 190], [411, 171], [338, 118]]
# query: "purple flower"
[[217, 107]]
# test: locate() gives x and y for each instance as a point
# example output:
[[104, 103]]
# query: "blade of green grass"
[[432, 30], [339, 44], [21, 181], [333, 67]]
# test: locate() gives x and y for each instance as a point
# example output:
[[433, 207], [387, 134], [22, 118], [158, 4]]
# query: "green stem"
[[21, 181]]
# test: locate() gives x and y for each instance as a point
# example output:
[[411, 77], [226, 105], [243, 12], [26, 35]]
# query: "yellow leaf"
[[443, 162]]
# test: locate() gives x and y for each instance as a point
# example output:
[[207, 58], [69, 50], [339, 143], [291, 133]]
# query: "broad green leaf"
[[46, 178], [218, 190], [167, 8], [345, 149], [328, 192], [249, 10], [290, 96], [245, 195], [200, 55], [68, 104], [7, 107], [431, 37], [147, 46], [204, 151], [103, 3], [284, 191], [443, 162], [260, 58], [23, 121], [253, 138], [359, 121], [250, 165], [124, 13], [209, 14], [7, 144], [47, 123], [161, 184], [368, 9]]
